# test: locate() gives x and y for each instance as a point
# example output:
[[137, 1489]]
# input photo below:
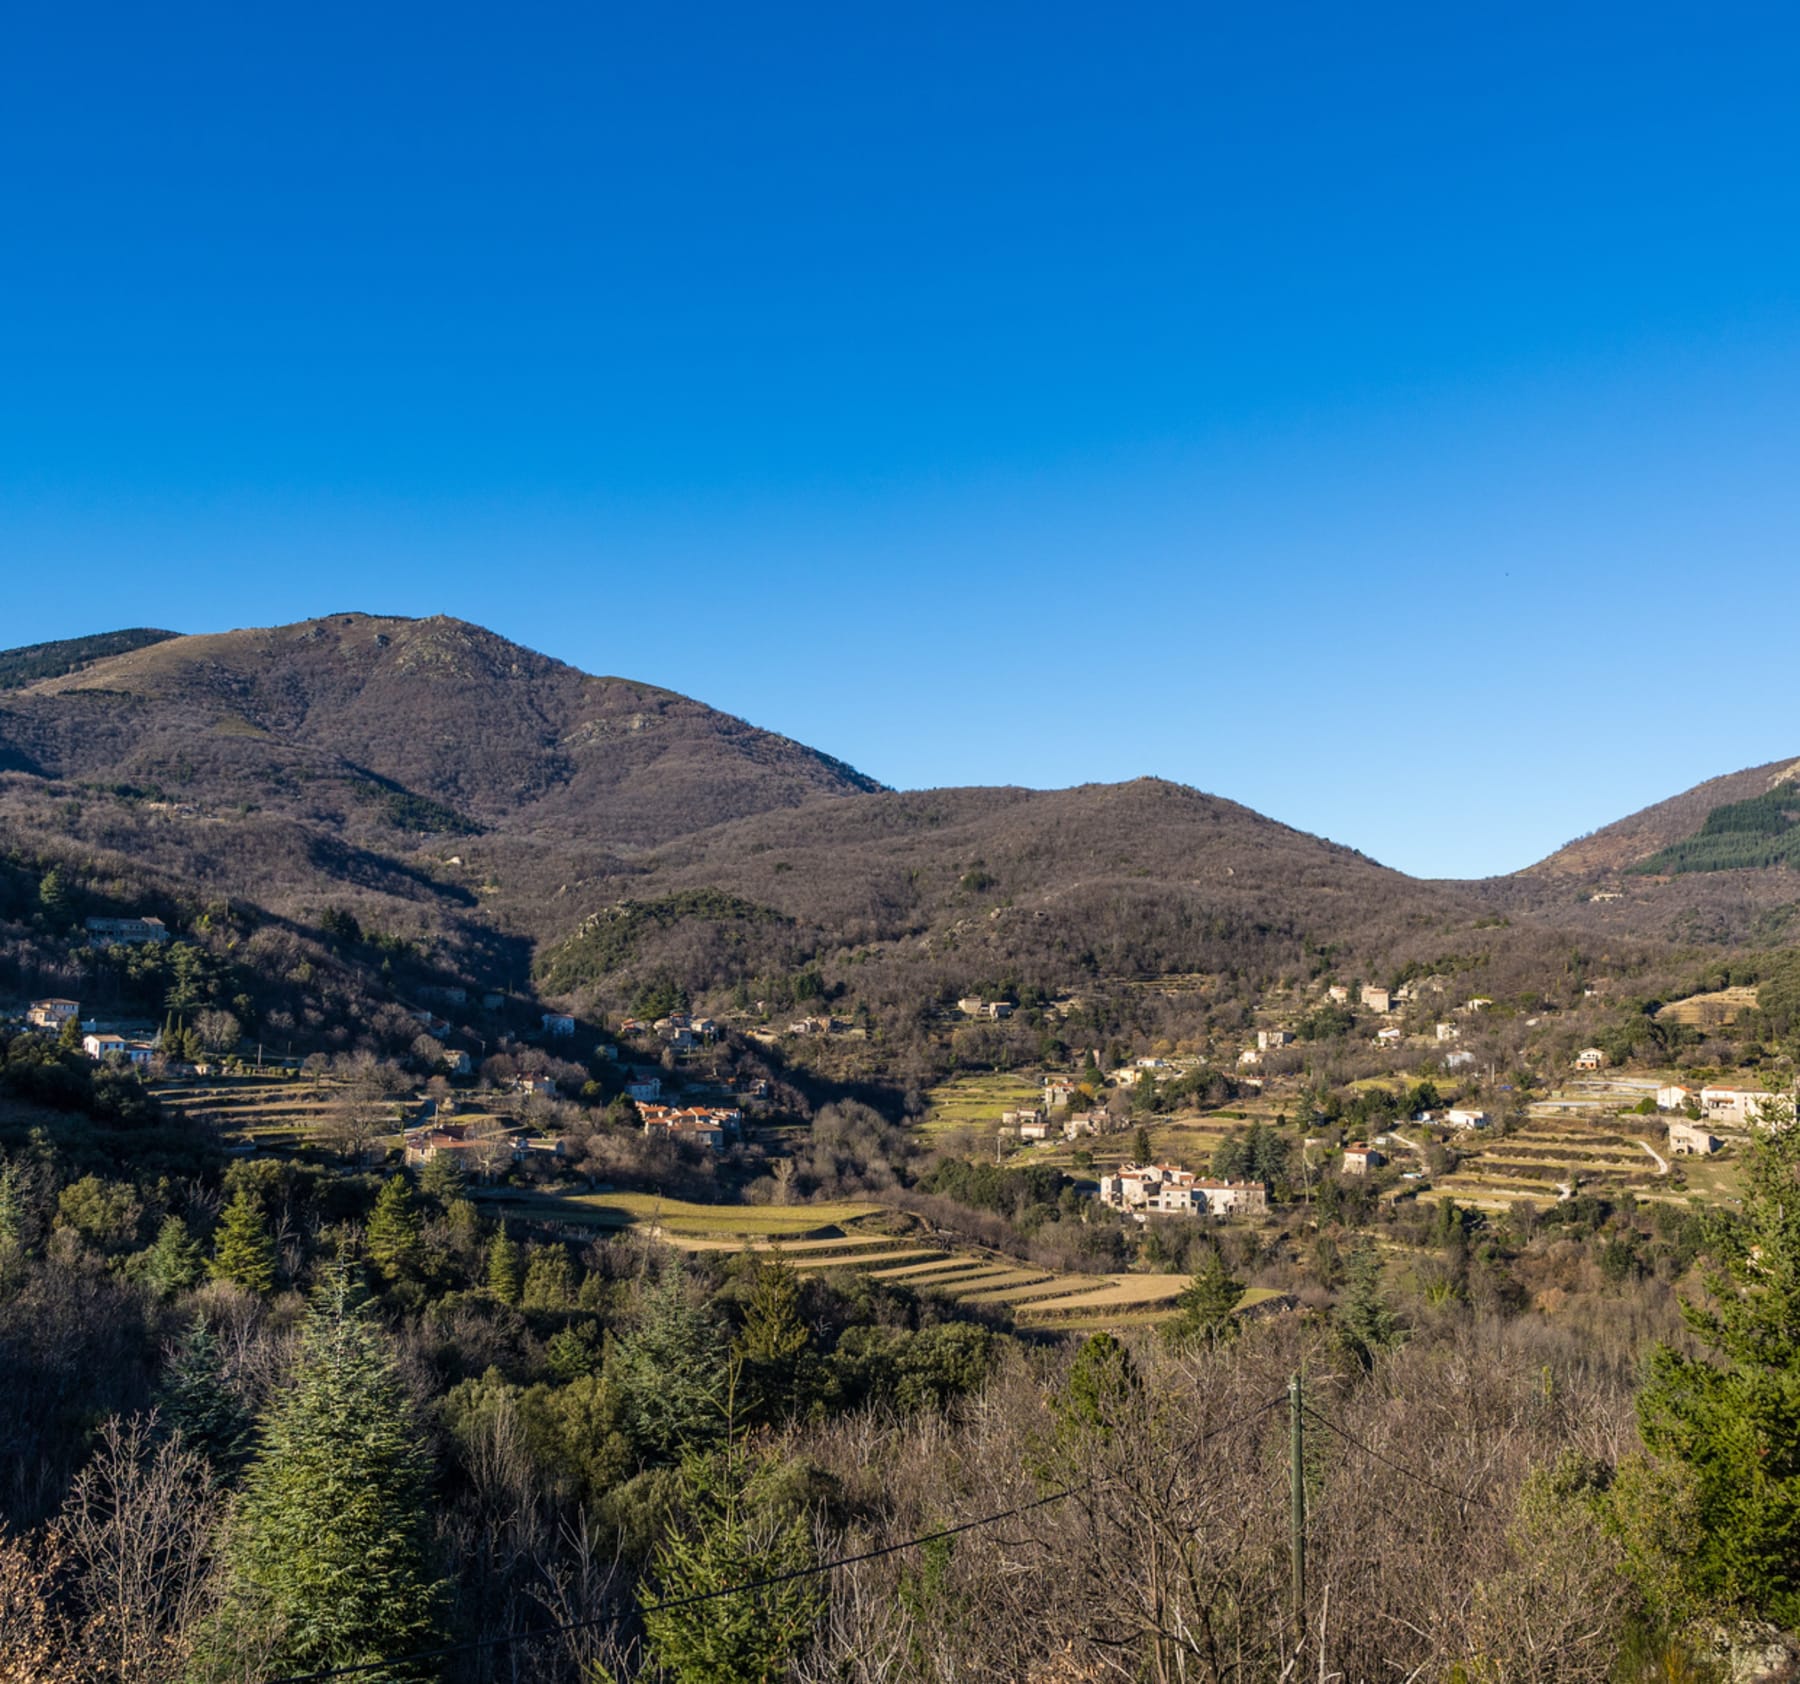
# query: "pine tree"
[[1365, 1321], [326, 1562], [1204, 1309], [505, 1273], [1727, 1429], [12, 1218], [244, 1249], [68, 1039], [441, 1179], [549, 1282], [774, 1338], [196, 1401], [392, 1239], [670, 1370], [56, 894], [573, 1351], [733, 1531], [175, 1261]]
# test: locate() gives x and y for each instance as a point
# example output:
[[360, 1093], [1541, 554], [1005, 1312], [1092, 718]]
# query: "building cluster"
[[487, 1149], [1144, 1190], [972, 1005], [711, 1126]]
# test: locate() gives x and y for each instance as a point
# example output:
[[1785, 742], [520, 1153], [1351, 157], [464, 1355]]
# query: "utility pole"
[[1297, 1515]]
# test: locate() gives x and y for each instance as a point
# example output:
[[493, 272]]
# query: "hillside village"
[[894, 1131]]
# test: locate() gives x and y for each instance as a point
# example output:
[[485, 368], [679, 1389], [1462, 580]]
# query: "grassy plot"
[[677, 1220], [976, 1102]]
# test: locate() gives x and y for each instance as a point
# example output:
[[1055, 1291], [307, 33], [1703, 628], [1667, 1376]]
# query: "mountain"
[[1688, 832], [372, 724]]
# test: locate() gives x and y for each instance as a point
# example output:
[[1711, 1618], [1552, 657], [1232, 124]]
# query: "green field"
[[678, 1221], [976, 1103]]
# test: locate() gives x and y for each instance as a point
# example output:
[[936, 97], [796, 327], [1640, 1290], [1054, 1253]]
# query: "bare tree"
[[139, 1521]]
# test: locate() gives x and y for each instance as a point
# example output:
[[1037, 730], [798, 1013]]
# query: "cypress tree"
[[505, 1274], [393, 1234], [244, 1249], [12, 1217], [326, 1556]]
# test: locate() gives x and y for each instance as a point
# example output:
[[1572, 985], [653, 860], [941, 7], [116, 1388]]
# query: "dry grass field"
[[1710, 1011]]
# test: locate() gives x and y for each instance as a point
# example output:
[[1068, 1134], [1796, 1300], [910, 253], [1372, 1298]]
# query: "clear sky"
[[1386, 416]]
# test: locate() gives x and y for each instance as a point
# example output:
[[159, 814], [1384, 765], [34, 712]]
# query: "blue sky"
[[1386, 416]]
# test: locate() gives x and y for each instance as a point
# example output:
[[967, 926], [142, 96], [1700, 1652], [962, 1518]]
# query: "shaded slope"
[[36, 661]]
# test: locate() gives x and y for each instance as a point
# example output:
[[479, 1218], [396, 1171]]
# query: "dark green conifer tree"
[[505, 1272], [773, 1341], [1726, 1427], [1365, 1320], [243, 1248], [175, 1262], [1204, 1309], [196, 1400], [549, 1281], [326, 1556], [670, 1370], [734, 1529], [392, 1238]]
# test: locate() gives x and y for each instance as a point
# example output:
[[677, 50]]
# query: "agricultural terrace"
[[1585, 1139], [845, 1235]]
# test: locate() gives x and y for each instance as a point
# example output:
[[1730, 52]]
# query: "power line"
[[506, 1638], [1398, 1467]]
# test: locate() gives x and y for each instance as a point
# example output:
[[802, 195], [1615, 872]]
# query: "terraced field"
[[276, 1113], [976, 1103], [1576, 1141]]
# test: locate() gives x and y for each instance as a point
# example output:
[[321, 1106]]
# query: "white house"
[[1447, 1032], [1674, 1098], [1338, 994], [1267, 1039], [1462, 1119], [1141, 1190], [558, 1023], [646, 1092], [1738, 1107], [1389, 1037], [52, 1014], [102, 1046], [1591, 1058]]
